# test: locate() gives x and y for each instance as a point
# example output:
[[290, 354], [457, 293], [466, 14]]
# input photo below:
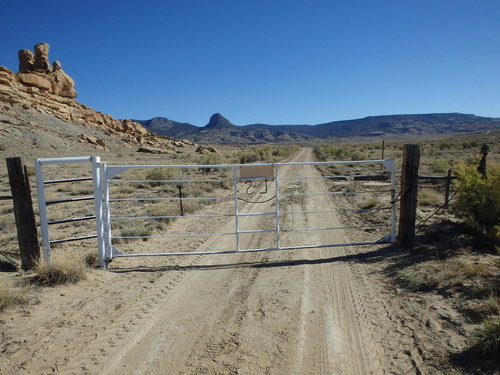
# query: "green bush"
[[478, 199], [440, 165]]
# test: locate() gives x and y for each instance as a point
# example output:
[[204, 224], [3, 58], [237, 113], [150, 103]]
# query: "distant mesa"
[[217, 121], [220, 130]]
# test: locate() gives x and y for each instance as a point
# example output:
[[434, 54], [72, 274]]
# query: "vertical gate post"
[[23, 212], [106, 217], [277, 186], [42, 210], [98, 206], [409, 192], [236, 213]]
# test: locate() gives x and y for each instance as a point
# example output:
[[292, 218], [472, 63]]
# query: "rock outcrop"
[[48, 89]]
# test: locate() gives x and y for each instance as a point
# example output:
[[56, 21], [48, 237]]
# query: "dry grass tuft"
[[64, 268], [430, 197], [92, 259], [9, 297], [371, 203]]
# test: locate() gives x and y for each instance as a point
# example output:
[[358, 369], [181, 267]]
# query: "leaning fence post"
[[23, 212], [409, 191]]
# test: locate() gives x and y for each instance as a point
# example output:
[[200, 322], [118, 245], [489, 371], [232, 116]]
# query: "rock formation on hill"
[[48, 89]]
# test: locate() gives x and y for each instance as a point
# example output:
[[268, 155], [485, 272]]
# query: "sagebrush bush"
[[267, 154], [158, 174], [343, 152], [478, 199], [440, 165]]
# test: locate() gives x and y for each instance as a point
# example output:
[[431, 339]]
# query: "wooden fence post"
[[409, 192], [23, 211]]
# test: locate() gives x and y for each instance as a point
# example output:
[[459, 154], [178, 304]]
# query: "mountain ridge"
[[221, 130]]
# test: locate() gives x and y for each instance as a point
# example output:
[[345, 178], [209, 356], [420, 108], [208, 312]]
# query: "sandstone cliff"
[[48, 89]]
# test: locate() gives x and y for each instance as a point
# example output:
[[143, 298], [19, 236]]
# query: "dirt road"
[[292, 312]]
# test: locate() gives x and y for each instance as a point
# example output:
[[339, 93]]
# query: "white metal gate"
[[128, 196]]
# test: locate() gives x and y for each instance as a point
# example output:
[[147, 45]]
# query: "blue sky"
[[275, 62]]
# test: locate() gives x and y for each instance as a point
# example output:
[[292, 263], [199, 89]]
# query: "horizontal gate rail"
[[336, 193], [70, 220], [169, 217], [338, 228], [173, 181], [74, 239], [170, 199], [69, 200], [341, 210], [48, 182], [304, 247], [347, 177]]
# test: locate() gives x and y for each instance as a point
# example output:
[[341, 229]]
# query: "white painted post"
[[235, 192], [108, 249], [98, 198], [276, 184], [42, 210]]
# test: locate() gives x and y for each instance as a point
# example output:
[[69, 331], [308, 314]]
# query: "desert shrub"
[[415, 282], [343, 152], [370, 203], [63, 269], [267, 154], [445, 145], [479, 310], [209, 159], [136, 229], [160, 209], [158, 174], [478, 199], [429, 197], [440, 165], [488, 340]]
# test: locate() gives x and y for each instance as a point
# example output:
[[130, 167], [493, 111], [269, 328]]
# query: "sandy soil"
[[320, 311]]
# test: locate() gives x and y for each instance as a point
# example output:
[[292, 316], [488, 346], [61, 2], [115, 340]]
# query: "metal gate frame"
[[108, 172], [103, 173], [96, 164]]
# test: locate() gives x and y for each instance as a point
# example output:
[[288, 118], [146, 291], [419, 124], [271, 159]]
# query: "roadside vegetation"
[[267, 154], [341, 152]]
